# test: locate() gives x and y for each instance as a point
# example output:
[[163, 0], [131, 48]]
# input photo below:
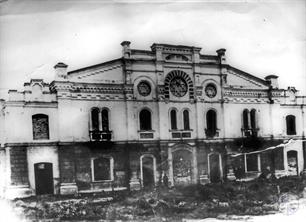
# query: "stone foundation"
[[20, 191], [68, 188]]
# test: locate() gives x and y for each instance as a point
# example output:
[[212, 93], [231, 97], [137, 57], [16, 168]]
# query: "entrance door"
[[43, 178], [182, 167], [214, 166], [147, 172], [292, 158]]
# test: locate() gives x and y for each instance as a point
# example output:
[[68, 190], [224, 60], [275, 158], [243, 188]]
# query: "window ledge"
[[180, 130], [145, 131], [101, 181]]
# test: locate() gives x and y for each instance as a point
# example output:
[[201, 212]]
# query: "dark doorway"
[[214, 164], [292, 158], [147, 172], [43, 178]]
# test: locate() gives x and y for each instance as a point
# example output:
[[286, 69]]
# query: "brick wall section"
[[19, 166], [66, 164], [75, 164]]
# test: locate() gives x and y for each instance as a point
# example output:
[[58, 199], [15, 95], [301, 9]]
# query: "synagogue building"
[[171, 114]]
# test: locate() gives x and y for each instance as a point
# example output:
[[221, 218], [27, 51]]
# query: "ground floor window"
[[252, 162], [102, 168], [278, 155]]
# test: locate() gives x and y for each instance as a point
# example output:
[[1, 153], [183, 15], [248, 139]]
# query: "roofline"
[[248, 74], [177, 46], [94, 66]]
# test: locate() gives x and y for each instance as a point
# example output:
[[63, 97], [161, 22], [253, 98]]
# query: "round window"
[[178, 86], [210, 91], [144, 88]]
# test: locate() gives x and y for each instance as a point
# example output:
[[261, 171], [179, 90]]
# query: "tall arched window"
[[173, 119], [211, 120], [186, 120], [95, 119], [245, 119], [290, 123], [145, 120], [105, 120], [40, 124], [253, 119]]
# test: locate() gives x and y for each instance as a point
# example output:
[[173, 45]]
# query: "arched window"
[[40, 124], [253, 119], [290, 123], [102, 168], [186, 120], [245, 119], [95, 119], [211, 120], [105, 120], [145, 120], [173, 119]]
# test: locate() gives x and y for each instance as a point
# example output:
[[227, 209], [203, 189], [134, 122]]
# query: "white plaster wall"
[[43, 154], [18, 123], [233, 118], [74, 119], [280, 126], [296, 146]]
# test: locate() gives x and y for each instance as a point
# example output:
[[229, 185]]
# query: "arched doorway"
[[147, 170], [292, 159], [43, 178], [182, 167], [215, 167]]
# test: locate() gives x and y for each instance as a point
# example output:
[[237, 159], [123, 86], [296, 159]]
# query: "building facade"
[[166, 115]]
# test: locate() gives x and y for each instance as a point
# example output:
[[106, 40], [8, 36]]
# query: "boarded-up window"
[[40, 124], [102, 169], [252, 162]]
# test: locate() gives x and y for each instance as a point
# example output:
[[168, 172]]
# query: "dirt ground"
[[221, 200]]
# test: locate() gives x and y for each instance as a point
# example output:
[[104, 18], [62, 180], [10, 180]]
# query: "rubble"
[[224, 201]]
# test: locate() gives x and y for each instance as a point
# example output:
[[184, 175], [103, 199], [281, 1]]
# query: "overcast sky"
[[261, 37]]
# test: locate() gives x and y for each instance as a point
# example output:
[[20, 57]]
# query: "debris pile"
[[219, 200]]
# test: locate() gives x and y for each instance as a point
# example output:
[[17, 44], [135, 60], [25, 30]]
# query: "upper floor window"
[[245, 119], [145, 120], [186, 120], [102, 168], [253, 119], [173, 119], [178, 83], [40, 124], [95, 119], [290, 124], [211, 121], [105, 120]]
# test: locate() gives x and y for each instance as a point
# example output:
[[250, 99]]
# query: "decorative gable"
[[238, 79], [109, 72]]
